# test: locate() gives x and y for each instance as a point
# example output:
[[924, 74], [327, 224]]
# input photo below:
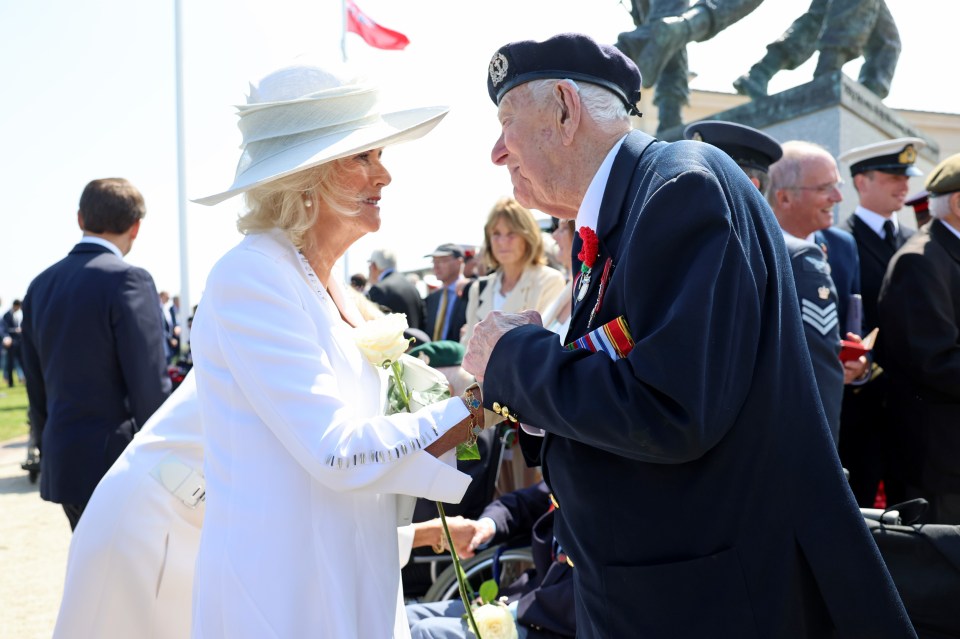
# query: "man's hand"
[[488, 332], [855, 369]]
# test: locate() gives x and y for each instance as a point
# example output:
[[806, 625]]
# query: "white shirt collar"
[[875, 220], [90, 239], [810, 238], [589, 213]]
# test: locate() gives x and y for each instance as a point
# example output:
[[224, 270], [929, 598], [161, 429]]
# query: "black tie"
[[889, 234]]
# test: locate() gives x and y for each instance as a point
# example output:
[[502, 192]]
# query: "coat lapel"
[[870, 241], [949, 241]]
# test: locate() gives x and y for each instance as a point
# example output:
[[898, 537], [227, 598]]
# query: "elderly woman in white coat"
[[302, 467], [512, 245]]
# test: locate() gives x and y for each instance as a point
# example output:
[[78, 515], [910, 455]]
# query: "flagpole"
[[343, 52], [343, 29], [185, 304]]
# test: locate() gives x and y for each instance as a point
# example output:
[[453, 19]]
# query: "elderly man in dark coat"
[[920, 319], [671, 447]]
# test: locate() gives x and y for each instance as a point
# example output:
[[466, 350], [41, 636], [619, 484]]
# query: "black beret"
[[747, 146], [572, 56]]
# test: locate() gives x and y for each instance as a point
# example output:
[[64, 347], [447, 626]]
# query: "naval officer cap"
[[572, 56], [896, 157], [945, 178], [747, 146]]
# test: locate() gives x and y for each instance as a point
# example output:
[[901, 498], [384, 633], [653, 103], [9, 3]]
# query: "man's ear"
[[568, 111], [134, 230], [782, 197], [80, 221]]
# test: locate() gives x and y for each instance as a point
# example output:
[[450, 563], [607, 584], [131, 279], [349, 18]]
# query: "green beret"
[[440, 353], [946, 177]]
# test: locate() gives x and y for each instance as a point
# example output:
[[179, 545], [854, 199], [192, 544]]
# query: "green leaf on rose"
[[488, 591]]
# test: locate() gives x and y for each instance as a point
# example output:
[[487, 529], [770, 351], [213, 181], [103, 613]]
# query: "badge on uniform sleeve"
[[823, 292]]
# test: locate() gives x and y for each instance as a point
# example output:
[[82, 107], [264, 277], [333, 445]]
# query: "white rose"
[[495, 621], [381, 340]]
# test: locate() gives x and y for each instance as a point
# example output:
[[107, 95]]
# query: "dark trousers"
[[73, 512], [14, 363]]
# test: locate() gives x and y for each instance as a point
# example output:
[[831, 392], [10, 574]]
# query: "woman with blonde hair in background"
[[519, 280]]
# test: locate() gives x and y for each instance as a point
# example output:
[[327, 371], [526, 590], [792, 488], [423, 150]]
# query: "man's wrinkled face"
[[526, 144]]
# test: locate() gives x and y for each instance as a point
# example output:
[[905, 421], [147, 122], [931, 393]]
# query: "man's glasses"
[[820, 188]]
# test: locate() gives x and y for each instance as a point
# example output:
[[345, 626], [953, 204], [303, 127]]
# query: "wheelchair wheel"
[[512, 563]]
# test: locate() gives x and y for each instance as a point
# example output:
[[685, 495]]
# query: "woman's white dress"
[[130, 566], [300, 534]]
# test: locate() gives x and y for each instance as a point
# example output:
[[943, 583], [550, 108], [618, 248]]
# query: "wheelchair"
[[502, 563]]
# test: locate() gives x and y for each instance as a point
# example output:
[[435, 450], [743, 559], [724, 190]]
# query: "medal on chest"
[[588, 257]]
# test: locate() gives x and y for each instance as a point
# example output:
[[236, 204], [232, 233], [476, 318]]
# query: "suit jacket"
[[920, 319], [94, 360], [458, 315], [399, 295], [670, 466], [819, 312], [840, 248], [536, 289], [874, 254]]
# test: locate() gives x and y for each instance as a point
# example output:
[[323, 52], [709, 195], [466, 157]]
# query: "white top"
[[300, 536]]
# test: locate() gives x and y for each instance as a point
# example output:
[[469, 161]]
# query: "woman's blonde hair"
[[520, 220], [281, 204]]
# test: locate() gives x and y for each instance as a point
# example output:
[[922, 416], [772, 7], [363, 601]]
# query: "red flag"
[[371, 32]]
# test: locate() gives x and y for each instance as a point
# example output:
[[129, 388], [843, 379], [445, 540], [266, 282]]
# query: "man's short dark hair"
[[111, 205]]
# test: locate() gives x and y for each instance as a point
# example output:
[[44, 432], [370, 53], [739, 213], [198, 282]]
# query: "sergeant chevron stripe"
[[822, 319]]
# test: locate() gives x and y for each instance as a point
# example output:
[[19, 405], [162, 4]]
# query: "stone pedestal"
[[837, 113]]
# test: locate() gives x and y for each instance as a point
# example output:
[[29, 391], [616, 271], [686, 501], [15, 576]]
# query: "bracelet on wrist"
[[471, 399]]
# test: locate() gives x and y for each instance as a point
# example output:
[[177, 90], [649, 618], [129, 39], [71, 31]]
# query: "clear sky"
[[89, 92]]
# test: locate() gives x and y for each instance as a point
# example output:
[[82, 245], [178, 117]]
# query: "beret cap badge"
[[498, 68]]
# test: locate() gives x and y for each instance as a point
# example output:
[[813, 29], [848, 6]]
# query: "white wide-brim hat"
[[303, 116]]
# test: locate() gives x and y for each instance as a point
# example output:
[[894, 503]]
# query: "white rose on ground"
[[381, 339]]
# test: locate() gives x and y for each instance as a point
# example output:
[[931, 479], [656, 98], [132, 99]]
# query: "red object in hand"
[[850, 351]]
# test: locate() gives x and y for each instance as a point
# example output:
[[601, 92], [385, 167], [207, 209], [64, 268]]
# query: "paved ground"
[[34, 537]]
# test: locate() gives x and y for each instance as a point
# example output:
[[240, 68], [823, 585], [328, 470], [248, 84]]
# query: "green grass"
[[13, 411]]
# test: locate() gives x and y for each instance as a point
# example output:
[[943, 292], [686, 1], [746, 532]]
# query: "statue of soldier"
[[658, 45], [842, 30]]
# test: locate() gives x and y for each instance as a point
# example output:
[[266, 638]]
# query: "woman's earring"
[[307, 203]]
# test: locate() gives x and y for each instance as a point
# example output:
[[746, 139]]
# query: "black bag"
[[924, 561]]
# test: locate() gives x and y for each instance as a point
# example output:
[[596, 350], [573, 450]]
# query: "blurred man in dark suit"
[[446, 310], [393, 291], [93, 348], [12, 338], [881, 174], [920, 321]]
